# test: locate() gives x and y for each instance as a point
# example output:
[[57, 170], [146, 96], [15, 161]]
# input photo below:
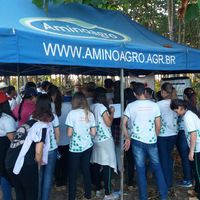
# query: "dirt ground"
[[176, 193]]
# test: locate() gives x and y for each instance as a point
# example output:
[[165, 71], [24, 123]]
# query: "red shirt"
[[27, 109]]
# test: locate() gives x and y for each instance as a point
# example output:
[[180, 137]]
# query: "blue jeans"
[[46, 176], [165, 148], [183, 150], [141, 151], [6, 189]]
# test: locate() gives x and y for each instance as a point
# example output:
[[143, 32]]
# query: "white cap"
[[3, 85]]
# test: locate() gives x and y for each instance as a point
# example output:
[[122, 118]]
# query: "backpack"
[[17, 143]]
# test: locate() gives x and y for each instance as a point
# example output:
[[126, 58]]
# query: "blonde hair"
[[79, 101]]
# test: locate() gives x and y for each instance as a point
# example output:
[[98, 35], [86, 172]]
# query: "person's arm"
[[38, 152], [108, 118], [10, 136], [126, 135], [93, 131], [157, 125], [69, 131], [57, 134], [193, 139]]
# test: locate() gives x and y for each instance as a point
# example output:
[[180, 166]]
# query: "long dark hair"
[[100, 96], [43, 109], [54, 91], [29, 93], [5, 108]]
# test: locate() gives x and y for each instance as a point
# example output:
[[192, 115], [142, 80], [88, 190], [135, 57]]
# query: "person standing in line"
[[7, 130], [183, 150], [12, 94], [47, 171], [80, 127], [168, 134], [192, 132], [61, 110], [29, 150], [24, 110], [103, 154], [144, 116]]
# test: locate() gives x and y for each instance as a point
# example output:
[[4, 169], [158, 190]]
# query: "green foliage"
[[38, 3], [192, 12]]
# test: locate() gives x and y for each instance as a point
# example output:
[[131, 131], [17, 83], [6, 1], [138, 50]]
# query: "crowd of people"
[[45, 140]]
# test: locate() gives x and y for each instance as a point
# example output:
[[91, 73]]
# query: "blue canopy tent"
[[76, 38]]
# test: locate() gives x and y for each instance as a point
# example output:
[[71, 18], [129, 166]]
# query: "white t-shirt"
[[12, 103], [103, 131], [192, 123], [81, 138], [7, 125], [142, 115], [34, 135], [169, 125], [52, 125]]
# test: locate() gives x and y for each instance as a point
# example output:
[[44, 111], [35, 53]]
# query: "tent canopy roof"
[[80, 35]]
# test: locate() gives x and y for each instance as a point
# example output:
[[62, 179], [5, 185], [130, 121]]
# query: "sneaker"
[[111, 197], [184, 183]]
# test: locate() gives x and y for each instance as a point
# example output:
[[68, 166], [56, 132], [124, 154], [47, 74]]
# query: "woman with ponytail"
[[80, 127], [168, 132], [24, 110], [103, 154]]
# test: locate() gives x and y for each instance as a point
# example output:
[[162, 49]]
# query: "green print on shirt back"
[[100, 133], [74, 146]]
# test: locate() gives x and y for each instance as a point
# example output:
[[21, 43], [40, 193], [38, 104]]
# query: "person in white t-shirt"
[[80, 127], [192, 132], [168, 133], [144, 117], [103, 154], [28, 151], [11, 93], [47, 171], [7, 129]]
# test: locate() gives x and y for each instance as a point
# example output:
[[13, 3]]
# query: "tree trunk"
[[171, 19]]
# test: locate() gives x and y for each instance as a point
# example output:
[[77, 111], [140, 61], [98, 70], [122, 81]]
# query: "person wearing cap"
[[24, 110], [3, 87], [7, 129]]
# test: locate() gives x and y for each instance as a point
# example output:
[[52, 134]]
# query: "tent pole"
[[18, 79], [122, 137]]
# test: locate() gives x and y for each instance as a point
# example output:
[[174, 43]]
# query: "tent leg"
[[122, 137], [18, 79]]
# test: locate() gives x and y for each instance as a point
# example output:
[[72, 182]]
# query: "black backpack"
[[17, 144]]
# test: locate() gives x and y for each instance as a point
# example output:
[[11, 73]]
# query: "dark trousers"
[[165, 148], [26, 183], [83, 160], [61, 171], [106, 171], [183, 150], [196, 168], [130, 167]]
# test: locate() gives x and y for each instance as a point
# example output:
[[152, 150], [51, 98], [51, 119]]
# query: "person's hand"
[[127, 144], [112, 109], [191, 155]]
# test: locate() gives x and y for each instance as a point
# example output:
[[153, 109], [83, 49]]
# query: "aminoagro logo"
[[70, 27]]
